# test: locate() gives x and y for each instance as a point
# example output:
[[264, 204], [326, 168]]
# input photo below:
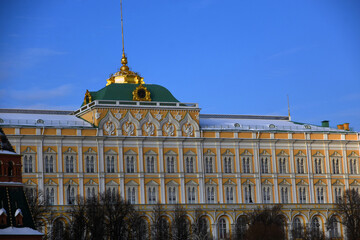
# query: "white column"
[[275, 172], [310, 173]]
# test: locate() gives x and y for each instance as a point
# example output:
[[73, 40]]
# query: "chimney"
[[346, 126], [340, 126], [325, 123]]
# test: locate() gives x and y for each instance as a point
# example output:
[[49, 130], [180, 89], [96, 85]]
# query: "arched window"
[[315, 227], [241, 225], [58, 230], [203, 227], [334, 228], [297, 228], [144, 231], [222, 229]]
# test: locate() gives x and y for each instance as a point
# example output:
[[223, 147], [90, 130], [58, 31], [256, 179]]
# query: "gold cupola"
[[124, 75]]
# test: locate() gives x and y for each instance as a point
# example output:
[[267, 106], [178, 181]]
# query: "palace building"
[[136, 139]]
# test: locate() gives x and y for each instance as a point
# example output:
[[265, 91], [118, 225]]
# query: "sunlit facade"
[[138, 140]]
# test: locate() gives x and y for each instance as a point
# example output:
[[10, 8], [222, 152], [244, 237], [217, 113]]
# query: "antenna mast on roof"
[[288, 107]]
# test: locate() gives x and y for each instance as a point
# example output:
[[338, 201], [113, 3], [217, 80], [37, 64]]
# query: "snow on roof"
[[18, 211], [19, 231], [257, 123], [11, 184], [45, 118], [2, 211], [7, 152]]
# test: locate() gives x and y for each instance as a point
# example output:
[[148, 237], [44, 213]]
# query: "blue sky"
[[230, 56]]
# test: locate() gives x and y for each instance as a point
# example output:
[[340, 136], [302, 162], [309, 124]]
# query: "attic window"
[[236, 125], [40, 121], [1, 120], [307, 126], [272, 126]]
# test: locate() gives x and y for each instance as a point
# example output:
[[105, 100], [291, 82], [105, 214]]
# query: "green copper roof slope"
[[123, 91]]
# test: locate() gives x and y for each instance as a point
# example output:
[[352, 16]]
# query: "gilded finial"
[[124, 75]]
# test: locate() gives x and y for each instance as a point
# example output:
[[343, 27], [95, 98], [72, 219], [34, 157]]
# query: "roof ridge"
[[233, 116]]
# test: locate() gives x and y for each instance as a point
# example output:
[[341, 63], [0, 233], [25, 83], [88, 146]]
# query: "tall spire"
[[124, 67], [124, 75]]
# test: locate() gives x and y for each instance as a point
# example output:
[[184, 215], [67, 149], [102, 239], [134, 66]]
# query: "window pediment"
[[320, 183], [132, 183], [246, 153], [318, 154], [229, 182], [112, 183], [171, 153], [335, 154], [152, 183], [28, 150], [49, 150], [90, 151], [209, 153], [150, 152], [210, 182], [192, 183], [283, 154], [265, 153], [300, 154], [50, 182], [338, 183], [91, 183], [111, 152], [29, 182], [266, 182], [190, 153], [172, 183], [130, 152], [302, 183], [353, 154], [227, 153], [69, 151], [247, 182], [284, 182], [355, 183], [70, 182]]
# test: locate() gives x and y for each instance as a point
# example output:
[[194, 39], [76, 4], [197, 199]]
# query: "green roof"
[[123, 92]]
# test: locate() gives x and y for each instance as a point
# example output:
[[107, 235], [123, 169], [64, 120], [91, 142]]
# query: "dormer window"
[[3, 217], [18, 217]]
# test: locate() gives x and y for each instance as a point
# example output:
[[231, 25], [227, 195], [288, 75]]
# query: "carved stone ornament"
[[178, 117], [158, 116], [169, 129], [109, 128], [129, 128], [118, 115], [149, 128], [188, 129], [138, 115], [97, 114]]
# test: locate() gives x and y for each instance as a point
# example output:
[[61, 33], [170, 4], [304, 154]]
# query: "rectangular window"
[[110, 164], [50, 195], [353, 166], [191, 194], [300, 165], [150, 164], [248, 196], [264, 165], [151, 195], [302, 195], [229, 192], [49, 163], [266, 194], [172, 195], [189, 164], [209, 165], [90, 164], [284, 195], [320, 194], [336, 166], [130, 164], [227, 164], [246, 164], [318, 166], [28, 163], [170, 161], [210, 192], [69, 164], [131, 195], [70, 194], [282, 165], [338, 195]]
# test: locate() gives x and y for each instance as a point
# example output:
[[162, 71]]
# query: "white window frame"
[[171, 162], [338, 193], [130, 159], [69, 157], [190, 162], [318, 163], [223, 228], [248, 192], [353, 160], [228, 161], [300, 162], [111, 161], [29, 159], [284, 194], [49, 160], [150, 161], [302, 192], [266, 191], [229, 193], [191, 192], [70, 194], [209, 159], [320, 194], [50, 194]]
